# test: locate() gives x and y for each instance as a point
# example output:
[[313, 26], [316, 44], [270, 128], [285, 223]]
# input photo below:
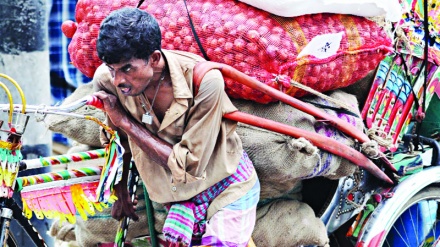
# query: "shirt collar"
[[178, 71]]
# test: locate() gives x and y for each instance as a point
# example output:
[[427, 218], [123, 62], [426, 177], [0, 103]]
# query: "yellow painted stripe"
[[299, 41], [351, 32]]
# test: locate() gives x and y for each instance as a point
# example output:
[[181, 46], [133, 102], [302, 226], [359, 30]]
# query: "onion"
[[244, 37]]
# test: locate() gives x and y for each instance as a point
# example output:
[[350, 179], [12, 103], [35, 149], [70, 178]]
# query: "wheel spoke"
[[436, 238], [400, 235], [420, 217], [414, 229]]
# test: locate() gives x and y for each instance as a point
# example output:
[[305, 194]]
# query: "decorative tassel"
[[112, 171]]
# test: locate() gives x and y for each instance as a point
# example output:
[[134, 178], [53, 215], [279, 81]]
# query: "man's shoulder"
[[102, 72], [102, 78], [183, 56], [181, 63]]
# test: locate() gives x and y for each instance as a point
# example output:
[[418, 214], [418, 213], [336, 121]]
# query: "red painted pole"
[[325, 143], [344, 151]]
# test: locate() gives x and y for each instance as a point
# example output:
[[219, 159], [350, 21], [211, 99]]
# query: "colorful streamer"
[[62, 201], [10, 157], [112, 171], [60, 194], [52, 200]]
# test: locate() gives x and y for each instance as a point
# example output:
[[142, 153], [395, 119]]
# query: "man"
[[188, 156]]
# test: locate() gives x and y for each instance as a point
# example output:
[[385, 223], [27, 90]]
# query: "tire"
[[24, 235], [11, 241], [417, 223], [33, 238]]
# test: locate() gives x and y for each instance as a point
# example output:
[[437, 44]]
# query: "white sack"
[[391, 9]]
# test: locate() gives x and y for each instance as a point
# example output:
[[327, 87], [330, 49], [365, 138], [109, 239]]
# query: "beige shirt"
[[206, 147]]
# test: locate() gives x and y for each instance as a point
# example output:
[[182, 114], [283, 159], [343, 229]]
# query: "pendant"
[[147, 118]]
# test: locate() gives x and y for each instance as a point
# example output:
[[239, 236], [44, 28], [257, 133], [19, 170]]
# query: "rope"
[[400, 36], [319, 94], [304, 146], [107, 128], [371, 148]]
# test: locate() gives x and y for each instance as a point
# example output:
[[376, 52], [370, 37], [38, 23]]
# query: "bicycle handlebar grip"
[[95, 101], [435, 149], [435, 161]]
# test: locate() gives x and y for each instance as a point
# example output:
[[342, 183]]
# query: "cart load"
[[322, 51], [295, 56]]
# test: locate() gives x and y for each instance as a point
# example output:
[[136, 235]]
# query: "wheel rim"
[[418, 225]]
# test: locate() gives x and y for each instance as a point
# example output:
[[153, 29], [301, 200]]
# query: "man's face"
[[131, 77]]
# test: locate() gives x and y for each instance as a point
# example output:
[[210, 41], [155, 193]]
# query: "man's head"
[[128, 33]]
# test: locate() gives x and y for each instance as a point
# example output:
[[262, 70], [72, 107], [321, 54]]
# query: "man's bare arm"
[[157, 149]]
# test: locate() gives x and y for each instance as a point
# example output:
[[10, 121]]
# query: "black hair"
[[128, 33]]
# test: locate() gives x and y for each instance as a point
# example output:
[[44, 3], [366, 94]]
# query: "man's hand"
[[123, 207], [112, 107]]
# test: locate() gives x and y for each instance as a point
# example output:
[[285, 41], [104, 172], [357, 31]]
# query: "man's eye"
[[112, 72], [127, 69]]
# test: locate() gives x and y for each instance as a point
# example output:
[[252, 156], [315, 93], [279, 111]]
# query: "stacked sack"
[[283, 162], [295, 159], [323, 51]]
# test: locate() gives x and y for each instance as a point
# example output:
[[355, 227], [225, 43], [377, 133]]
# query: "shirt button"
[[173, 188]]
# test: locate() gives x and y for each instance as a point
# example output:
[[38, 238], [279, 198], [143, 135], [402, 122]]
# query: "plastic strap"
[[426, 60], [140, 3], [423, 67], [336, 109], [196, 37]]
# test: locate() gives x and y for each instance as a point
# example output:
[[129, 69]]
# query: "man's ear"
[[155, 57]]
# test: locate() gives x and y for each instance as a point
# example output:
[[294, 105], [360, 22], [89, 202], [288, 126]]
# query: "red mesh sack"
[[253, 41]]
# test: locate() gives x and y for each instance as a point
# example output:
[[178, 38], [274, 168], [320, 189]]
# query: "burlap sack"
[[64, 231], [78, 129], [288, 223], [361, 88], [280, 160]]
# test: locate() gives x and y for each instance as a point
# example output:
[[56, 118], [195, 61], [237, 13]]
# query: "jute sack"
[[63, 231], [78, 129], [288, 223], [282, 161]]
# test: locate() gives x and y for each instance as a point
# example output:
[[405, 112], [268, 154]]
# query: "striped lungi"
[[186, 221]]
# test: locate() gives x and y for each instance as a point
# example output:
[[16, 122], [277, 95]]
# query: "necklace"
[[146, 117]]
